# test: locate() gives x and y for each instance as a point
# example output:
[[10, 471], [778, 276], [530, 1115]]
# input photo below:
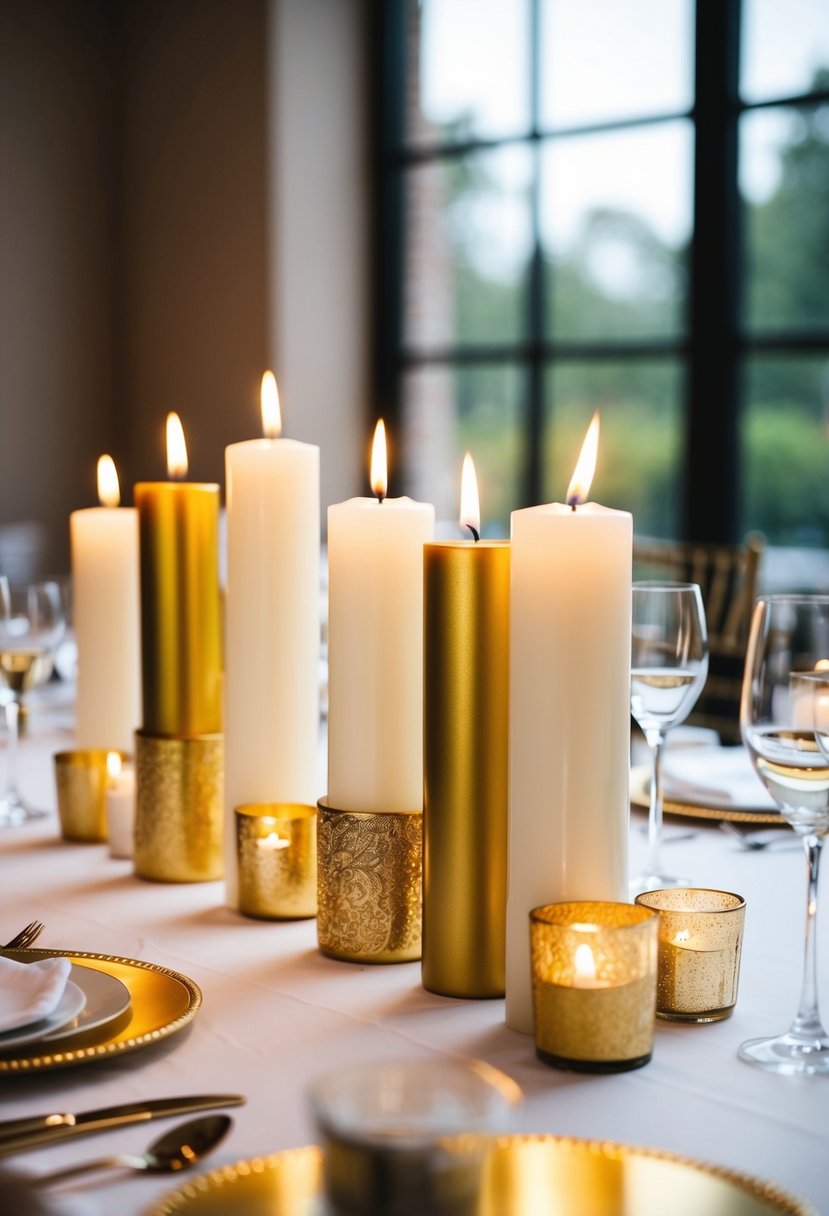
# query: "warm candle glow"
[[585, 965], [682, 936], [176, 447], [822, 665], [470, 505], [113, 765], [273, 841], [379, 462], [579, 486], [109, 491], [271, 413]]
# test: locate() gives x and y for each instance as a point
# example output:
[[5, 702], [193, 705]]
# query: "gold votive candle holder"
[[276, 855], [593, 984], [179, 808], [700, 943], [369, 884], [81, 780]]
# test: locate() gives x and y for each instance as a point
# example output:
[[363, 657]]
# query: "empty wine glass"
[[784, 719], [669, 666], [31, 625]]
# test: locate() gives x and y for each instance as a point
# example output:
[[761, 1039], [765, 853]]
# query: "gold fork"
[[26, 937]]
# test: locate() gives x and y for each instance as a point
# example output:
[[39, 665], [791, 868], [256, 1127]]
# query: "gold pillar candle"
[[593, 984], [465, 755], [700, 943], [369, 887], [276, 856], [81, 781], [181, 658], [179, 808]]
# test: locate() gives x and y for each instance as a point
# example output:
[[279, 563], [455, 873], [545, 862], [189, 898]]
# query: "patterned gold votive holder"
[[700, 942], [81, 780], [276, 853], [179, 807], [594, 984], [369, 884]]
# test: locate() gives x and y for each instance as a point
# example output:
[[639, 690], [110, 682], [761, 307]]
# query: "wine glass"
[[784, 719], [31, 625], [669, 666]]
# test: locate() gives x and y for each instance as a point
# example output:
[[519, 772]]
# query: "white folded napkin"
[[30, 991], [722, 773]]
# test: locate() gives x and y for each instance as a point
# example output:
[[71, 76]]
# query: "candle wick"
[[574, 502], [474, 532], [380, 496]]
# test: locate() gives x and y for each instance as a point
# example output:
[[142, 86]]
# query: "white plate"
[[69, 1006], [106, 998]]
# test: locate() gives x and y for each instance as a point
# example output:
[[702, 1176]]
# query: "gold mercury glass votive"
[[81, 780], [369, 884], [700, 941], [276, 853], [594, 984]]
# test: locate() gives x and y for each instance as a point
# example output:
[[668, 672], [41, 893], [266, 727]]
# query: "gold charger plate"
[[525, 1176], [640, 777], [161, 1003]]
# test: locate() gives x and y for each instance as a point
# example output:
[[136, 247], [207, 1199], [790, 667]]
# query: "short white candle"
[[569, 805], [104, 543], [120, 804], [375, 648]]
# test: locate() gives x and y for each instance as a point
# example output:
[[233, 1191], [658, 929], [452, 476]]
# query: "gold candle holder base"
[[81, 781], [179, 808], [276, 852], [369, 884]]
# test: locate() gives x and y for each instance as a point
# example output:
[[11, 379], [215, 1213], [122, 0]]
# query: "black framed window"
[[613, 206]]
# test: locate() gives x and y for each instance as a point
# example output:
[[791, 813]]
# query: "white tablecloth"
[[276, 1013]]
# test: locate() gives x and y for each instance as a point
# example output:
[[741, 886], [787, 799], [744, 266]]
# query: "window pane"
[[616, 220], [469, 69], [784, 47], [603, 61], [785, 449], [468, 243], [639, 466], [784, 179], [449, 410]]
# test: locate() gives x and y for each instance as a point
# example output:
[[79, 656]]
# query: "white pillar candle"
[[272, 613], [104, 544], [570, 611], [375, 649], [120, 806]]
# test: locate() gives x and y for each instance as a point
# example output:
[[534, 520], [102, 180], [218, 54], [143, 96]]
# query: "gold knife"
[[18, 1135]]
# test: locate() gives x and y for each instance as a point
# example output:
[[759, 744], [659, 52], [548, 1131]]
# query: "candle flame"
[[584, 962], [682, 936], [271, 413], [822, 665], [470, 503], [113, 765], [109, 491], [379, 461], [176, 447], [579, 486], [273, 841]]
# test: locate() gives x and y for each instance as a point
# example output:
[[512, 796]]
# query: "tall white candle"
[[375, 649], [272, 622], [570, 612], [104, 545]]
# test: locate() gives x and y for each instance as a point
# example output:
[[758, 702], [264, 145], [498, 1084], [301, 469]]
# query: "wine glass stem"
[[656, 742], [12, 727], [807, 1022]]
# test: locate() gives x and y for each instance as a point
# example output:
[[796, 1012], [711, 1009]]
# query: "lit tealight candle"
[[120, 806]]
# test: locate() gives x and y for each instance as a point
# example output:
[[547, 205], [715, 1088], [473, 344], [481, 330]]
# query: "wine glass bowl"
[[784, 720], [31, 626], [669, 666]]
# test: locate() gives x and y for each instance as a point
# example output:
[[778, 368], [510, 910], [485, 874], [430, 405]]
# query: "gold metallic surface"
[[700, 943], [599, 1019], [369, 886], [465, 754], [179, 808], [276, 852], [81, 781], [524, 1175], [161, 1002], [181, 654]]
